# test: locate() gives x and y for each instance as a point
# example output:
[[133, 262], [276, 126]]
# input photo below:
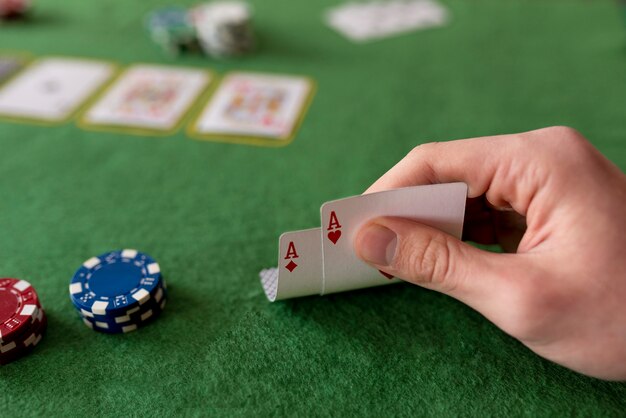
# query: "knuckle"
[[565, 137], [415, 151], [532, 311], [423, 150], [560, 144], [429, 262], [564, 132], [429, 259], [552, 131], [422, 156]]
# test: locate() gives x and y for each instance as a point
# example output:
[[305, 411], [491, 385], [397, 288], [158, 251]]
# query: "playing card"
[[52, 89], [9, 65], [441, 206], [148, 96], [379, 19], [255, 105], [299, 271]]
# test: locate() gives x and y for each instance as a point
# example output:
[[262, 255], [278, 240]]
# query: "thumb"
[[433, 259]]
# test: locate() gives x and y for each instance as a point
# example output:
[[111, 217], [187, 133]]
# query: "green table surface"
[[211, 214]]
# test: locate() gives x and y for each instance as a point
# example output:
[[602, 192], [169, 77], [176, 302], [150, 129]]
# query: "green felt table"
[[211, 213]]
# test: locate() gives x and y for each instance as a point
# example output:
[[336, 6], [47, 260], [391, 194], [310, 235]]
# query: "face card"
[[52, 89], [440, 206], [255, 105], [8, 66], [299, 271], [148, 96], [362, 22]]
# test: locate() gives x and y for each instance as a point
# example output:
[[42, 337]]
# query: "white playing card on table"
[[440, 206], [148, 96], [255, 105], [365, 21], [299, 271], [52, 89]]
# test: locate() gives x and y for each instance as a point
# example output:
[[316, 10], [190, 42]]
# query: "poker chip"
[[23, 345], [129, 323], [134, 316], [171, 28], [224, 29], [18, 306], [118, 291], [22, 319], [10, 9]]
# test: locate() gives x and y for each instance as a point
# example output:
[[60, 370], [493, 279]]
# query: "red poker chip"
[[27, 328], [19, 306], [16, 349], [13, 8]]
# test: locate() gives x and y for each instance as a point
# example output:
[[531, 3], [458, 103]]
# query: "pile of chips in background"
[[22, 319], [220, 29], [119, 291], [224, 28], [171, 28]]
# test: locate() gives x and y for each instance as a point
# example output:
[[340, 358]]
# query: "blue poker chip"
[[130, 315], [115, 282], [168, 16], [141, 319]]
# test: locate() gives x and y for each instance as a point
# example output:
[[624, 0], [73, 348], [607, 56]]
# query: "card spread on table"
[[360, 22], [322, 260], [255, 105], [52, 89], [148, 96]]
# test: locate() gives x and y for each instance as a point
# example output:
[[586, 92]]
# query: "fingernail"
[[377, 244]]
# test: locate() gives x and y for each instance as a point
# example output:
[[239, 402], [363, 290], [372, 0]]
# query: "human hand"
[[552, 197]]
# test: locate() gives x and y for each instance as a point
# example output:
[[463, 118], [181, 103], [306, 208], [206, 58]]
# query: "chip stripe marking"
[[86, 313], [22, 285], [154, 268], [129, 253], [92, 262], [141, 296], [99, 307], [76, 288]]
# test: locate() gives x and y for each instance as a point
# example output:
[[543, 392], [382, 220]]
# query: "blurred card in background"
[[361, 22], [52, 89], [9, 65], [151, 97], [255, 105]]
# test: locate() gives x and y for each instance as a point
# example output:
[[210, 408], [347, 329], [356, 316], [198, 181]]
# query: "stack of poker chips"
[[224, 29], [119, 291], [22, 319], [171, 28], [13, 9]]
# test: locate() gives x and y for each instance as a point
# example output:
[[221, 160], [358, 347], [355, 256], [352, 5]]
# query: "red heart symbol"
[[387, 275], [334, 236]]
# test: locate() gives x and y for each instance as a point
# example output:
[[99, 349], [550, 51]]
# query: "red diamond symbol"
[[291, 266]]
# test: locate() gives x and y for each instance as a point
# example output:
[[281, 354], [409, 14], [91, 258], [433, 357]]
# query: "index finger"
[[496, 166]]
